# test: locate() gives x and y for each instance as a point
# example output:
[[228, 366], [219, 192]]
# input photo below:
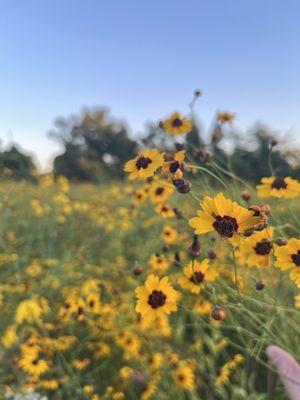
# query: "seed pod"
[[218, 314]]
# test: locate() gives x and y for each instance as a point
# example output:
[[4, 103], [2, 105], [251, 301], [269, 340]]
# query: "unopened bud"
[[281, 242], [246, 195], [137, 270], [259, 285], [182, 185], [218, 314], [177, 260], [273, 142], [179, 146], [203, 156], [194, 250], [212, 254], [178, 213]]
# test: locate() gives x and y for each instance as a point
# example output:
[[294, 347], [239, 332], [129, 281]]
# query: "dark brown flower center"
[[197, 277], [164, 209], [176, 122], [143, 162], [279, 183], [296, 258], [263, 248], [225, 226], [157, 299], [159, 191], [174, 166], [91, 303]]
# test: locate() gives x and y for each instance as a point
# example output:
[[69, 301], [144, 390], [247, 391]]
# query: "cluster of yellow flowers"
[[264, 237], [164, 287]]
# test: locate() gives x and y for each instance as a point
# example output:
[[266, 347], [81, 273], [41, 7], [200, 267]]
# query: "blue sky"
[[143, 59]]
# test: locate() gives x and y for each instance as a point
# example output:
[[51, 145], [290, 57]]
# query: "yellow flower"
[[256, 250], [93, 303], [165, 210], [225, 117], [297, 301], [202, 307], [173, 165], [196, 275], [176, 125], [125, 372], [148, 390], [49, 384], [278, 187], [155, 361], [81, 364], [29, 311], [183, 376], [33, 366], [160, 191], [159, 262], [139, 196], [156, 298], [10, 336], [288, 257], [223, 216], [144, 165], [169, 234], [228, 368]]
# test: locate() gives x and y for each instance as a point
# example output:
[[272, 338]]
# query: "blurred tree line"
[[95, 148]]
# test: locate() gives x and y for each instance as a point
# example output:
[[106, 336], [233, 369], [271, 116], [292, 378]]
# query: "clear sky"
[[143, 59]]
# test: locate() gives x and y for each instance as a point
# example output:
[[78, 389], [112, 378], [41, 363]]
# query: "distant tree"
[[249, 158], [95, 147], [16, 165]]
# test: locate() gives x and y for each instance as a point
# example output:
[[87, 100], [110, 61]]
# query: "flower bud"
[[137, 270], [179, 146], [212, 255], [194, 250], [273, 142], [182, 185], [203, 156], [280, 242], [259, 285], [246, 195], [178, 213], [218, 314], [177, 260]]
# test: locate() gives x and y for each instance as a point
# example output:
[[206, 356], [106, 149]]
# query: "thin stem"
[[236, 276]]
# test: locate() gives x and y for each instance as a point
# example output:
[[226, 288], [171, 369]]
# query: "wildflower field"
[[168, 285]]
